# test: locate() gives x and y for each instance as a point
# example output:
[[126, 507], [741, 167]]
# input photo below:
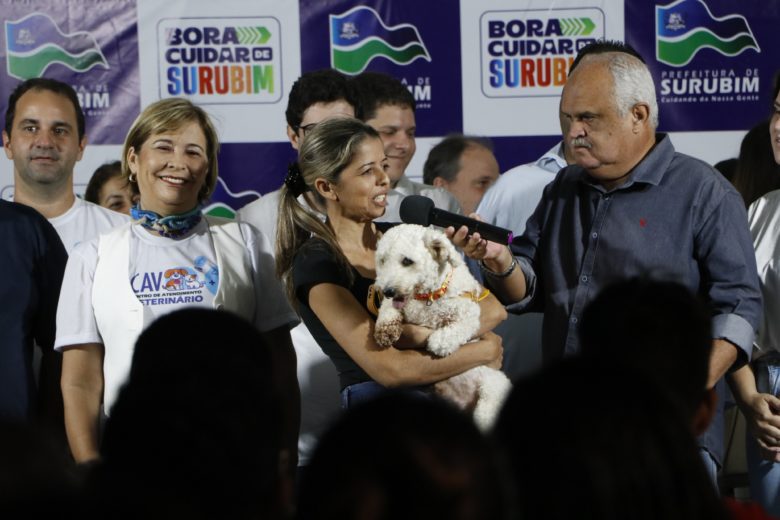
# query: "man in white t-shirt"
[[44, 137], [314, 97]]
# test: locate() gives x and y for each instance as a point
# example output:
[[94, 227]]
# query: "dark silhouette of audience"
[[37, 478], [590, 438], [658, 327], [402, 456], [196, 431]]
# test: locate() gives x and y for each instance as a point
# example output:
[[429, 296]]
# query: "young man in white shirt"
[[385, 104]]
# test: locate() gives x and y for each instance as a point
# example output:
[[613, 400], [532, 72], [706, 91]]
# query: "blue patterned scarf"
[[172, 226]]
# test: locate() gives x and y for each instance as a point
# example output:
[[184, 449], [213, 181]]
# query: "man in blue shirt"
[[630, 206], [33, 260]]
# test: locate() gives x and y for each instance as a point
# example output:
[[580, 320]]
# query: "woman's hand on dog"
[[494, 349], [413, 336]]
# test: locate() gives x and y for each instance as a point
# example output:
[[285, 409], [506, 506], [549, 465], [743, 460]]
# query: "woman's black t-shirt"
[[315, 263]]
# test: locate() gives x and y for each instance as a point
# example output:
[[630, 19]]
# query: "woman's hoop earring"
[[131, 177]]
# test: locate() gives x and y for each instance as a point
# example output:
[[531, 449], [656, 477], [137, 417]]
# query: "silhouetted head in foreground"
[[593, 439], [195, 432], [404, 457]]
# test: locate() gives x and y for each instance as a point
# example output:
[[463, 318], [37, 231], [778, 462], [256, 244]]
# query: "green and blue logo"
[[686, 27], [34, 43], [359, 35]]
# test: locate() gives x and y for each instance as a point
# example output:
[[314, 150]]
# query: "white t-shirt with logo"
[[85, 221], [167, 275]]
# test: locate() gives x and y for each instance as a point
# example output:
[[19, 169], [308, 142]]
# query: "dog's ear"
[[437, 246]]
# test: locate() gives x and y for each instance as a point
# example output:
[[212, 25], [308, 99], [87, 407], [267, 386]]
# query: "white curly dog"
[[425, 281]]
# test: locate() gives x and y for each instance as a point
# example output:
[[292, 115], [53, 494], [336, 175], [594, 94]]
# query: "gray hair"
[[632, 83]]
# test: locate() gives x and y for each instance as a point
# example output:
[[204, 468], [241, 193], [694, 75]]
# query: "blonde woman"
[[171, 256], [329, 267]]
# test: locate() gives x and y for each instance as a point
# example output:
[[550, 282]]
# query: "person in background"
[[169, 257], [329, 267], [44, 136], [727, 168], [108, 188], [756, 386], [386, 105], [464, 166], [756, 172]]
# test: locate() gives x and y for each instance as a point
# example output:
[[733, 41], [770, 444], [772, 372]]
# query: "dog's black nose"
[[389, 292]]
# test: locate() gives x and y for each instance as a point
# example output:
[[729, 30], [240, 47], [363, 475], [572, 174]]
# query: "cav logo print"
[[34, 42], [685, 27], [359, 35]]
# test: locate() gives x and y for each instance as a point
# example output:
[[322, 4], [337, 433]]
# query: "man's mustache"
[[580, 142]]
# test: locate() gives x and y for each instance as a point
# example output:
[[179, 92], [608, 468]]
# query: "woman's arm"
[[82, 392], [762, 411], [491, 313], [353, 329]]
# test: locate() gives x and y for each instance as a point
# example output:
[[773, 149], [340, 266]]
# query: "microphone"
[[416, 209]]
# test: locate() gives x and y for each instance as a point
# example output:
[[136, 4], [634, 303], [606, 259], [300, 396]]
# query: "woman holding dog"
[[329, 267], [169, 257]]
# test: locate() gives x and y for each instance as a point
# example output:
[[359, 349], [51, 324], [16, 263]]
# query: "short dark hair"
[[659, 327], [444, 158], [727, 168], [375, 89], [319, 86], [756, 172], [602, 47], [53, 85]]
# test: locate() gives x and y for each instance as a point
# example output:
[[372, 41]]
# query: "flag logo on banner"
[[34, 42], [359, 35], [685, 27]]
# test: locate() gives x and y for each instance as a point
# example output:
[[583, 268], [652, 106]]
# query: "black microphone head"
[[416, 209]]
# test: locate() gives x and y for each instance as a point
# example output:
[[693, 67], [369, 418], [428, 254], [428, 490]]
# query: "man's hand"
[[473, 246], [763, 419]]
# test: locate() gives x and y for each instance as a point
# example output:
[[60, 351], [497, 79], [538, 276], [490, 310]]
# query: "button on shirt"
[[673, 218]]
